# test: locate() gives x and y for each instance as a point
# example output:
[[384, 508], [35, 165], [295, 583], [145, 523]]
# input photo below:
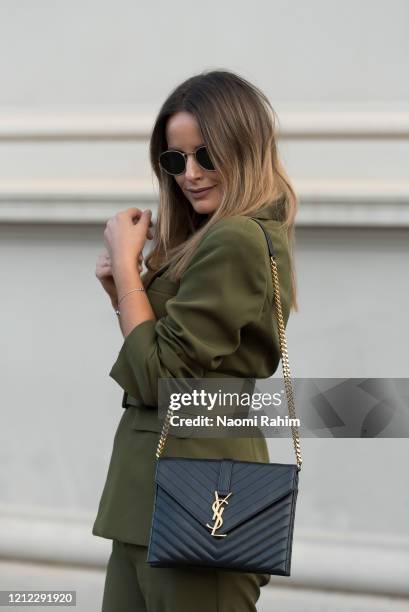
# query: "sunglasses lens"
[[172, 162], [203, 158]]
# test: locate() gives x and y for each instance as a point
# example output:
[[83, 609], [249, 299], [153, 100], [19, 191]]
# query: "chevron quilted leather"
[[254, 530]]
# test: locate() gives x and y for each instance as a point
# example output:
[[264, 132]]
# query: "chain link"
[[284, 362]]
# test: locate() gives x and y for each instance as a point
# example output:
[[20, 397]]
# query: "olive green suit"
[[217, 321]]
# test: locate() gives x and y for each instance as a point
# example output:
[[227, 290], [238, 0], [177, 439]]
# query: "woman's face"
[[183, 134]]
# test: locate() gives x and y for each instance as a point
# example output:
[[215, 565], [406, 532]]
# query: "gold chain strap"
[[284, 362], [286, 373]]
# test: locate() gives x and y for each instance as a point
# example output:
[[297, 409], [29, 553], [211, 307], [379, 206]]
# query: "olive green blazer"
[[217, 321]]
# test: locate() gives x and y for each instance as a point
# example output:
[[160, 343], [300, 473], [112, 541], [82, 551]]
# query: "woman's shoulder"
[[240, 235], [235, 233], [232, 258], [233, 224]]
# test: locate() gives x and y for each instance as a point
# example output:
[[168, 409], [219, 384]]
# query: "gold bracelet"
[[118, 312], [128, 292]]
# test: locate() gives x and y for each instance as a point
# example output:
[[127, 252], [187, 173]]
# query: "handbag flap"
[[254, 486]]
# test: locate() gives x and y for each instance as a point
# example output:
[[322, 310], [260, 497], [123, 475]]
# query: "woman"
[[202, 309]]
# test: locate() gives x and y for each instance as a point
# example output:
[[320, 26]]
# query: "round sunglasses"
[[174, 162]]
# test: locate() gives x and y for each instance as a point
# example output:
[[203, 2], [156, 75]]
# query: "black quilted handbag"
[[222, 513]]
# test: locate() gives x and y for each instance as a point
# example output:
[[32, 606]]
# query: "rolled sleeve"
[[222, 290]]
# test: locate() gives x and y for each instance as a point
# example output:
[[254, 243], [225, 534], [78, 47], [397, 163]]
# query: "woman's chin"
[[204, 208]]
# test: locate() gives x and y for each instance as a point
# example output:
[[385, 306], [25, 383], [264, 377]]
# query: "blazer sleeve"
[[223, 289]]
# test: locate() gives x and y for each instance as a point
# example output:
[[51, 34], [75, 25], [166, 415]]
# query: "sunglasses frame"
[[185, 155]]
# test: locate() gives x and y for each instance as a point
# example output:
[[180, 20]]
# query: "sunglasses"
[[174, 162]]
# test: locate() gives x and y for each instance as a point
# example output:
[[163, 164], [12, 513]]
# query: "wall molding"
[[360, 562], [321, 203], [330, 203], [95, 124]]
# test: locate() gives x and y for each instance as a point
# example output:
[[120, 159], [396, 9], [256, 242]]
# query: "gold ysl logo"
[[218, 508]]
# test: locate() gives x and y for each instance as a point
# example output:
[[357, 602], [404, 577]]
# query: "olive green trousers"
[[132, 585]]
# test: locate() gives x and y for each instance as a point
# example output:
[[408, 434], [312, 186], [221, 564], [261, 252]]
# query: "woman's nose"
[[193, 170]]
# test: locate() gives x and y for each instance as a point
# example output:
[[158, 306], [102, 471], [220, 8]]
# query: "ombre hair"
[[237, 123]]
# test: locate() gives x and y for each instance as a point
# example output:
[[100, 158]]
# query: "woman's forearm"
[[135, 308]]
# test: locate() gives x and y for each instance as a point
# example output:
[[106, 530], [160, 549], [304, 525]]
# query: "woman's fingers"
[[103, 258], [103, 266]]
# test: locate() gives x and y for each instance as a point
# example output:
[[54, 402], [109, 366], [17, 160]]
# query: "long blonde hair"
[[237, 123]]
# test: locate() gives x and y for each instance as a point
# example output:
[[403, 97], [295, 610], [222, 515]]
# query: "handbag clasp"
[[218, 509]]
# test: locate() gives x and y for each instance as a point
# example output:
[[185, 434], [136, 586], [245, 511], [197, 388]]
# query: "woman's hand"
[[125, 235], [103, 272]]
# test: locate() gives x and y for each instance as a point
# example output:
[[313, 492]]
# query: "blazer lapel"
[[150, 280]]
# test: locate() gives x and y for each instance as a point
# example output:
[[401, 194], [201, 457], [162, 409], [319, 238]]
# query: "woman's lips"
[[201, 194]]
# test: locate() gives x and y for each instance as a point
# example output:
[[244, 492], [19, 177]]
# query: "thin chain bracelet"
[[117, 311]]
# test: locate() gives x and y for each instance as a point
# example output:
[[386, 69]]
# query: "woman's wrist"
[[126, 276], [123, 264]]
